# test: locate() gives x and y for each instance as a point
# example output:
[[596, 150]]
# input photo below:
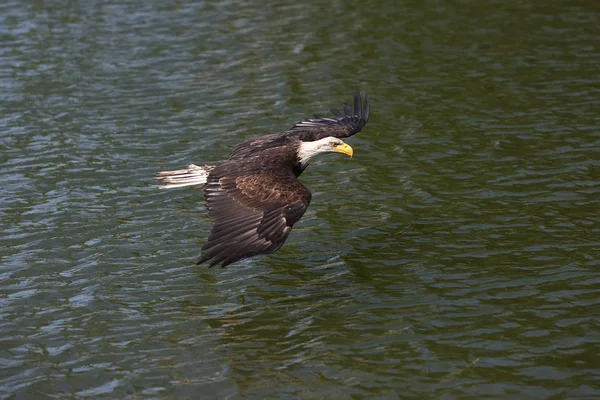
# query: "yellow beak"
[[344, 149]]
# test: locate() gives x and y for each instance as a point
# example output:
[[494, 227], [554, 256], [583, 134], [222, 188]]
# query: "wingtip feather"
[[357, 102], [365, 108], [351, 118]]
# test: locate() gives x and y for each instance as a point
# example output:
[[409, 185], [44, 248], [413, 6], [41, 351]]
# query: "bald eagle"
[[255, 198]]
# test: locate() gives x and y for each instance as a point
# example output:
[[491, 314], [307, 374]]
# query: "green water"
[[455, 256]]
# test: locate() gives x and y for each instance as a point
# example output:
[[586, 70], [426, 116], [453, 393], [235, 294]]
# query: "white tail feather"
[[193, 175]]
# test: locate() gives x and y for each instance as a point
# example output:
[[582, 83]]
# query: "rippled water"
[[455, 256]]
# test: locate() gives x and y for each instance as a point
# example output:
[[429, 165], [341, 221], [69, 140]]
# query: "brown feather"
[[254, 204]]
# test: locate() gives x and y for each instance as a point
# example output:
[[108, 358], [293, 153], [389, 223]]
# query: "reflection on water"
[[455, 256]]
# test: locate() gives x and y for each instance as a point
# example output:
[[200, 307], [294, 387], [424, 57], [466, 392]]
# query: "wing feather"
[[272, 226], [336, 112], [347, 109], [252, 213], [340, 125], [234, 227]]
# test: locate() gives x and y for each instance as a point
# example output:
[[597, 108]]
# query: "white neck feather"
[[308, 150]]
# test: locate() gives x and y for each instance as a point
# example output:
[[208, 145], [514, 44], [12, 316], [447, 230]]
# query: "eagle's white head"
[[308, 150]]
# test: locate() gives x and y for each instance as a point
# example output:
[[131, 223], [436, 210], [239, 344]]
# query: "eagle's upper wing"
[[340, 125], [252, 212]]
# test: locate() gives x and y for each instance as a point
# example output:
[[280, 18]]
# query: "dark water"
[[455, 256]]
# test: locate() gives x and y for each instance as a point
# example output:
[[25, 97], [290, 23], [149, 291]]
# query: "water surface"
[[455, 256]]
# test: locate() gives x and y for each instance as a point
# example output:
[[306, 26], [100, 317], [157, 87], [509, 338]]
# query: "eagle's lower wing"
[[251, 214], [341, 125]]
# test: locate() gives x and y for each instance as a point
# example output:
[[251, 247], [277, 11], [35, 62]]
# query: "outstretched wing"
[[252, 213], [341, 125]]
